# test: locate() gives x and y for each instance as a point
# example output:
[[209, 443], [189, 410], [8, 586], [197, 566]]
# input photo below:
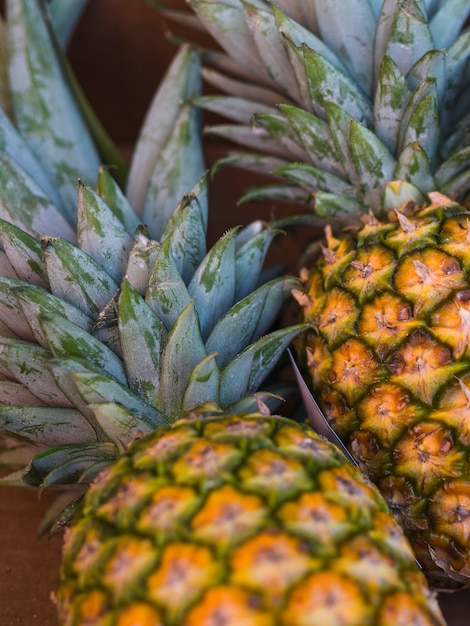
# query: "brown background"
[[119, 53]]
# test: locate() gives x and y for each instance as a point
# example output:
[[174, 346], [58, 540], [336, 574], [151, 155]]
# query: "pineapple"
[[371, 130], [131, 361]]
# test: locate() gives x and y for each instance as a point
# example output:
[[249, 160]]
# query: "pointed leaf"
[[142, 337], [24, 253], [67, 339], [77, 278], [391, 98], [244, 374], [213, 284], [374, 164], [11, 314], [250, 257], [46, 426], [348, 28], [315, 136], [167, 295], [179, 166], [281, 133], [24, 203], [96, 388], [110, 192], [187, 234], [45, 109], [248, 320], [328, 84], [414, 166], [35, 302], [180, 83], [121, 426], [203, 384], [28, 365], [101, 234], [184, 349]]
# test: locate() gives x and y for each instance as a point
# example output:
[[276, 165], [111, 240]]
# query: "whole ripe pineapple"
[[118, 332], [372, 119]]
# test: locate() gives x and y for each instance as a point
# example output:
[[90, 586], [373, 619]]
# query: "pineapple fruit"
[[131, 359], [371, 124]]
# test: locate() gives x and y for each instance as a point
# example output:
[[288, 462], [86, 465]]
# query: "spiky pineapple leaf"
[[98, 388], [248, 319], [271, 50], [183, 350], [77, 278], [142, 336], [373, 162], [65, 338], [422, 128], [101, 234], [25, 204], [226, 22], [28, 364], [213, 284], [35, 302], [17, 148], [452, 167], [448, 21], [24, 253], [13, 393], [281, 133], [120, 425], [246, 372], [113, 196], [348, 28], [45, 425], [313, 179], [203, 384], [326, 83], [180, 83], [187, 234], [315, 136], [65, 465], [179, 166], [167, 294], [252, 245], [414, 167], [391, 98], [45, 108], [11, 314]]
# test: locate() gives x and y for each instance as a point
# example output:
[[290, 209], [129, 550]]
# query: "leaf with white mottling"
[[186, 232], [167, 294], [101, 234], [45, 108], [28, 364], [77, 278], [24, 253], [109, 191], [203, 384], [244, 374], [142, 337], [249, 319], [181, 82], [67, 339], [25, 204], [178, 167], [46, 426], [35, 302], [121, 426], [184, 349], [214, 282]]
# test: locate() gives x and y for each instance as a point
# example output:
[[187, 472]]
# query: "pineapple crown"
[[339, 98], [112, 328]]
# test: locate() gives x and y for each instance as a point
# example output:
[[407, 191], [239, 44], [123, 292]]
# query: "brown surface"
[[119, 53]]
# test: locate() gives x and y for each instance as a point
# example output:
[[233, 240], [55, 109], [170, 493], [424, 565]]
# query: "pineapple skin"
[[388, 360], [242, 519]]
